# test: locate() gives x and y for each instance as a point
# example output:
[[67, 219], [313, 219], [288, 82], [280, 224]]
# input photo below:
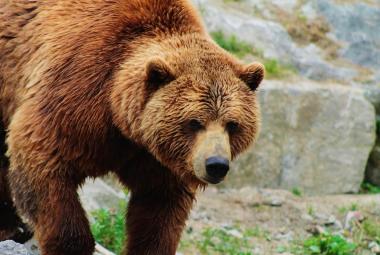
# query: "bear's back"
[[55, 47]]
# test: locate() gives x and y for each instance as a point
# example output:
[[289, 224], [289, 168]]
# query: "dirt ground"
[[280, 216]]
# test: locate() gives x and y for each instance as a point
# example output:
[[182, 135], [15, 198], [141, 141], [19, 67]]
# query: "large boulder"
[[314, 137]]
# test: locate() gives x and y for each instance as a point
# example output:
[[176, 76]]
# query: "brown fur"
[[88, 87]]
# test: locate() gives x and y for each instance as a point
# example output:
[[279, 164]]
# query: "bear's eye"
[[194, 125], [232, 127]]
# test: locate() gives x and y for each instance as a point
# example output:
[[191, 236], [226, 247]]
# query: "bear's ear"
[[252, 75], [158, 73]]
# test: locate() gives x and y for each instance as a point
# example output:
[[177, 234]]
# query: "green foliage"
[[220, 241], [371, 229], [273, 69], [311, 211], [378, 125], [352, 207], [108, 228], [232, 44], [328, 244], [297, 192], [366, 232], [368, 188], [323, 244]]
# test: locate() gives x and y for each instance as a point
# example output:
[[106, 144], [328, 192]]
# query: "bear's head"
[[190, 104]]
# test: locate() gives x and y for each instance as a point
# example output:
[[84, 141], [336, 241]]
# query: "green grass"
[[273, 69], [310, 210], [366, 232], [328, 244], [220, 241], [109, 228], [352, 207], [371, 229], [297, 192], [368, 188], [324, 244], [232, 44]]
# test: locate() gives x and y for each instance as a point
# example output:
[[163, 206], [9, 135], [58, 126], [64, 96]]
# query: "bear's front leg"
[[11, 226], [44, 183], [156, 218], [52, 206]]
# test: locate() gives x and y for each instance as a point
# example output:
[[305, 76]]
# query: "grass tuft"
[[368, 188], [273, 69], [109, 228], [232, 44]]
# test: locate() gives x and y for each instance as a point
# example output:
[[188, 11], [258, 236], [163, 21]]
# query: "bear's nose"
[[217, 167]]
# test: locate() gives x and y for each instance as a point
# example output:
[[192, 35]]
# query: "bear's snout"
[[212, 154], [216, 169]]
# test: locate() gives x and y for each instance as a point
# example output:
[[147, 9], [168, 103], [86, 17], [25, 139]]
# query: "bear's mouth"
[[212, 155], [212, 180]]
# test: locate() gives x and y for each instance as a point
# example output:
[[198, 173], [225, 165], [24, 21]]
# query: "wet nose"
[[217, 167]]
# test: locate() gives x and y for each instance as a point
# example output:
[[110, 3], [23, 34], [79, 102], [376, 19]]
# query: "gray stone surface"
[[314, 137], [96, 194], [12, 248], [270, 37], [31, 248], [356, 24]]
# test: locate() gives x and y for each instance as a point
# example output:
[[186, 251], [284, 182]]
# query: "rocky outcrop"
[[314, 137], [357, 25], [272, 39], [12, 248], [352, 28]]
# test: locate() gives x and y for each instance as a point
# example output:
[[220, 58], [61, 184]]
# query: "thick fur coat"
[[133, 87]]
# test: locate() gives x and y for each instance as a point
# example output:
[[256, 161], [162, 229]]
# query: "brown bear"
[[133, 87]]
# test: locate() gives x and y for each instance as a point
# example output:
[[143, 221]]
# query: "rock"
[[32, 247], [357, 25], [374, 247], [316, 230], [330, 221], [307, 217], [100, 250], [12, 248], [314, 137], [351, 26], [287, 236], [257, 250], [351, 218], [96, 194], [271, 38], [234, 232], [274, 201]]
